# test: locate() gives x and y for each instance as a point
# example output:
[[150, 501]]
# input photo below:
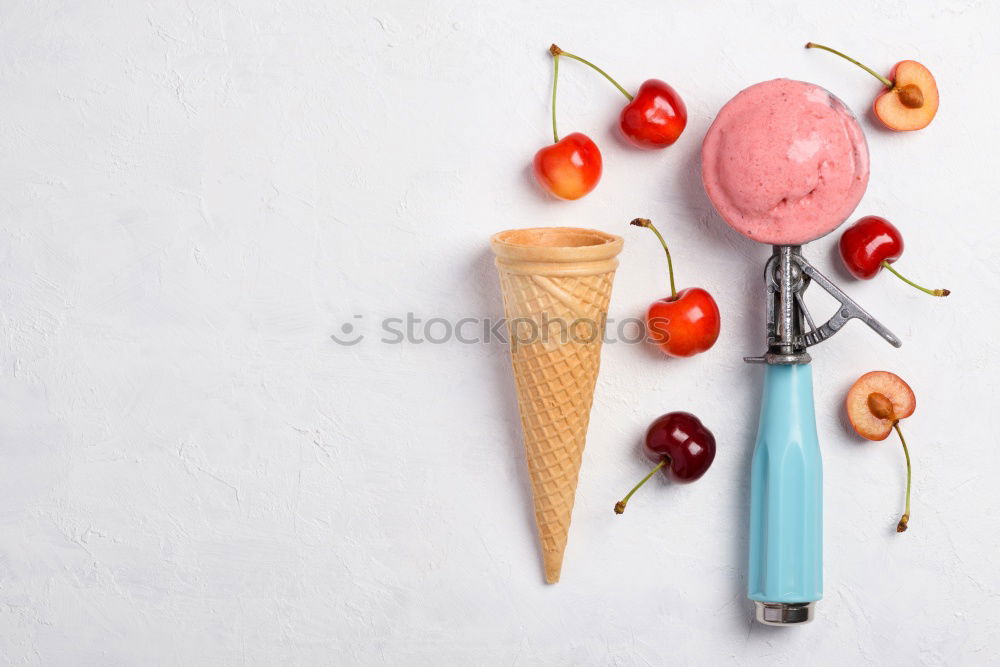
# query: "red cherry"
[[686, 322], [569, 168], [655, 117], [680, 445], [871, 244]]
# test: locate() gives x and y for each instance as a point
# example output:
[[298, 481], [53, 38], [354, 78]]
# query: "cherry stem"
[[620, 506], [932, 292], [885, 82], [904, 520], [645, 222], [556, 51], [555, 84]]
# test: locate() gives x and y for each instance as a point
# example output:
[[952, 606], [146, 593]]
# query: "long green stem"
[[555, 84], [904, 520], [885, 82], [644, 222], [932, 292], [556, 51], [620, 506]]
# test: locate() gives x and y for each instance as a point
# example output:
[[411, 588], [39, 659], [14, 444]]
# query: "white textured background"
[[195, 196]]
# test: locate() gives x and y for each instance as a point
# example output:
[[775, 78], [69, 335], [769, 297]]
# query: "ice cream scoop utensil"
[[785, 576], [784, 163]]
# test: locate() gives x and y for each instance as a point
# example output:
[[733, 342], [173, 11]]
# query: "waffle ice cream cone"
[[556, 284]]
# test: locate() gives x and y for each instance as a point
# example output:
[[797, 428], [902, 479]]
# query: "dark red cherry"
[[683, 442], [680, 445]]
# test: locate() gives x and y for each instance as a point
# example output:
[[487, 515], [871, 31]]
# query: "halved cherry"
[[875, 404], [910, 99], [877, 424], [915, 101]]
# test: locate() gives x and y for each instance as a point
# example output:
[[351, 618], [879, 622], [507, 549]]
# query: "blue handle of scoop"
[[786, 492]]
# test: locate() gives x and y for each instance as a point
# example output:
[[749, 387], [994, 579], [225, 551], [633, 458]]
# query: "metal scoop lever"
[[849, 309], [790, 326]]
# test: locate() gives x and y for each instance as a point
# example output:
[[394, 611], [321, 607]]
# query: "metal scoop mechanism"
[[790, 326]]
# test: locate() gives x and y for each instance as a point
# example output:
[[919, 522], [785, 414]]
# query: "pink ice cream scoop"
[[785, 162]]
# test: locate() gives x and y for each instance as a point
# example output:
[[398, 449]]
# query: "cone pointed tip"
[[553, 565]]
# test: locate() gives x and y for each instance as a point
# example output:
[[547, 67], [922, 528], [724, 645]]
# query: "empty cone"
[[556, 284]]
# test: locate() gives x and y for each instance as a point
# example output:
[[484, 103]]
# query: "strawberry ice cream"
[[785, 162]]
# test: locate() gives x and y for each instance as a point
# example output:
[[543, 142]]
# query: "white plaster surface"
[[195, 196]]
